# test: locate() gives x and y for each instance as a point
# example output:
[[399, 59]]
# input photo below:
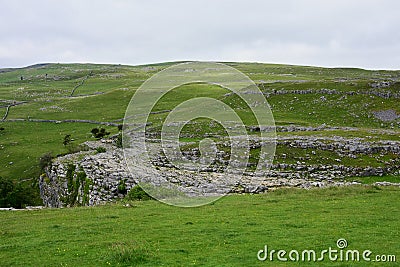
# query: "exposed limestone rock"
[[378, 89], [90, 178], [386, 115], [104, 173]]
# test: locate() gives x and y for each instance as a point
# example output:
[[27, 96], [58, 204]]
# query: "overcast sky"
[[357, 33]]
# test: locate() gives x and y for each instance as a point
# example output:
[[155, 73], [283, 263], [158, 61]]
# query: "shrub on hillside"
[[122, 187], [16, 194], [101, 149], [67, 140], [99, 133], [45, 160], [118, 142], [137, 193]]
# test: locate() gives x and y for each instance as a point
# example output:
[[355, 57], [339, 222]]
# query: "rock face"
[[86, 178], [91, 178]]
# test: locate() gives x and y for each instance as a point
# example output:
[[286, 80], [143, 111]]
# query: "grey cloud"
[[327, 33]]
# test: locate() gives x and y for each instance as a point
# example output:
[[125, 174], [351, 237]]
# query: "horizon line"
[[183, 61]]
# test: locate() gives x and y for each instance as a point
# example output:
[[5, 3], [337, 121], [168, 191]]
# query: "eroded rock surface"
[[91, 178]]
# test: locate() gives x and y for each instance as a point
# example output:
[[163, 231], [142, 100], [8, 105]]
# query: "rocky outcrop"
[[342, 146], [379, 89], [86, 178], [386, 115], [91, 177]]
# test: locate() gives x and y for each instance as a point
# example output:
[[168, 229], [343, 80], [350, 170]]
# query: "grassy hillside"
[[98, 93], [41, 104], [229, 232]]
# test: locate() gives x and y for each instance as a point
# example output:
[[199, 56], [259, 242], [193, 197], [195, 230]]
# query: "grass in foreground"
[[228, 232]]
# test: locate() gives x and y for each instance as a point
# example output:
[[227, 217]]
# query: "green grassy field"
[[228, 232], [101, 93]]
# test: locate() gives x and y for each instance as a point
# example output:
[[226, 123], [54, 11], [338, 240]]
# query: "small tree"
[[99, 133], [67, 140], [103, 133], [45, 160], [95, 131]]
